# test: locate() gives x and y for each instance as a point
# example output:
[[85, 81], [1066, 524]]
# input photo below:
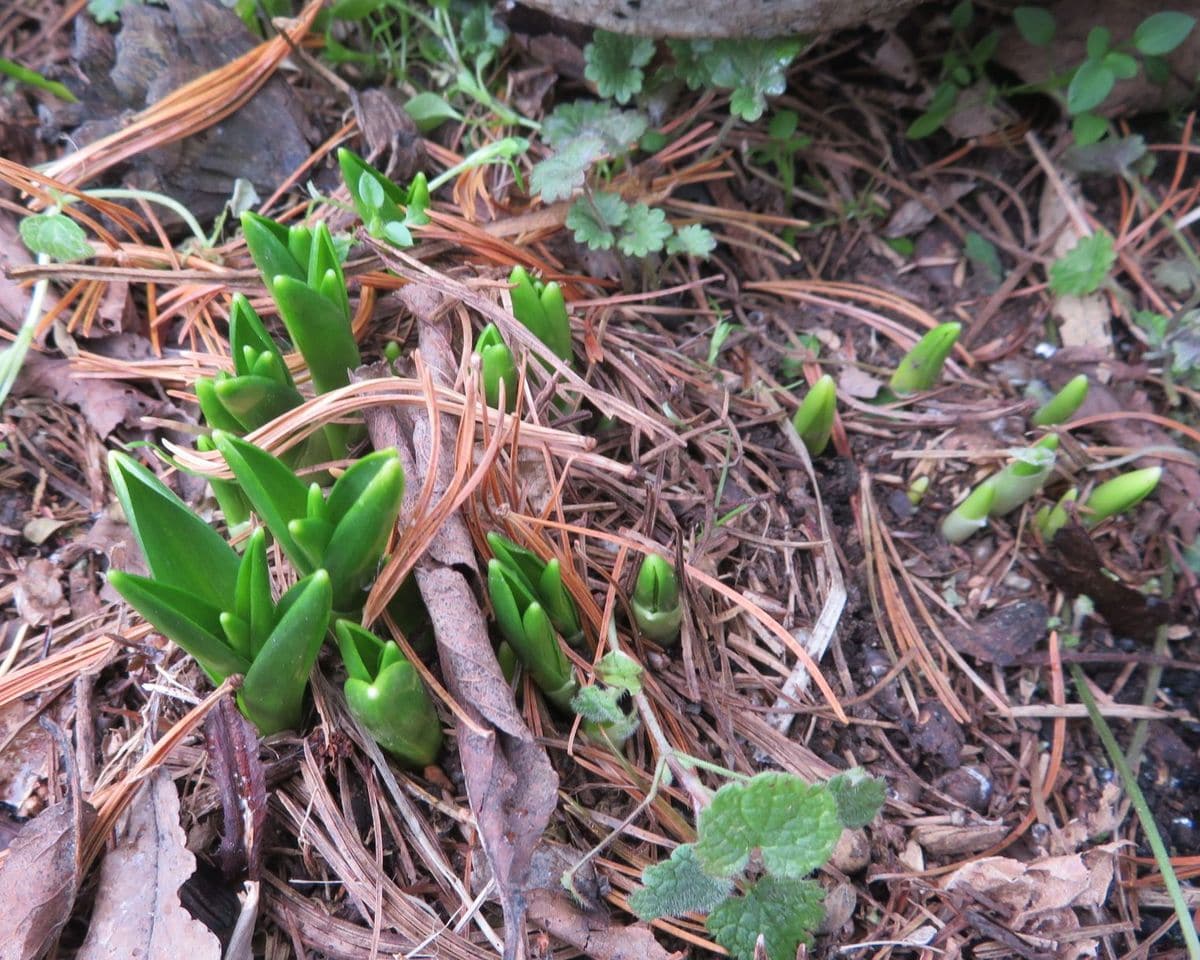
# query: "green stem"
[[184, 214], [504, 149], [1149, 827], [12, 359]]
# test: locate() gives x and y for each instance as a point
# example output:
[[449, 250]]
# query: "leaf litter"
[[369, 859]]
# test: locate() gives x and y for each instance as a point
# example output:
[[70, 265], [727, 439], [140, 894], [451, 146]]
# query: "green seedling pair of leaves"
[[606, 706], [344, 532], [388, 211], [541, 309], [532, 608], [655, 601], [218, 606], [793, 826], [497, 367], [385, 693]]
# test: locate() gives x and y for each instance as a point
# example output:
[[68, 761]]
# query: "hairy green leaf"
[[785, 912], [644, 231], [563, 172], [590, 118], [793, 823], [693, 240], [598, 704], [618, 670], [595, 219], [858, 796], [677, 886], [1084, 267], [614, 63], [56, 235]]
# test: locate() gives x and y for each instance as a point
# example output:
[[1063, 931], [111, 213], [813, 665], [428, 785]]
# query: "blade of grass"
[[1136, 797]]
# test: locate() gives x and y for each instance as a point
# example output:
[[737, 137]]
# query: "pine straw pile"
[[826, 623]]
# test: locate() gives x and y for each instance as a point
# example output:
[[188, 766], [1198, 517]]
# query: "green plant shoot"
[[388, 211], [922, 365], [814, 418], [498, 367], [1050, 519], [1023, 477], [344, 532], [655, 601], [217, 606], [1120, 494], [1062, 406], [543, 580], [541, 309], [970, 516], [385, 693]]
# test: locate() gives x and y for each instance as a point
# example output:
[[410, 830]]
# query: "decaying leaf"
[[511, 786], [138, 912], [38, 594], [40, 875]]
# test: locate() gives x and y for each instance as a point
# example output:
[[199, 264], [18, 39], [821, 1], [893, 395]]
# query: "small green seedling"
[[386, 695], [344, 532], [388, 211], [1120, 494], [1050, 519], [917, 490], [218, 606], [814, 418], [922, 365], [655, 601], [497, 367], [790, 827], [970, 516], [605, 706], [1062, 406], [541, 309]]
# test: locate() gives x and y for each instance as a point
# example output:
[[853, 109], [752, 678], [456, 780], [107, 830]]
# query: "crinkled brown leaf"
[[138, 912], [40, 875], [511, 786]]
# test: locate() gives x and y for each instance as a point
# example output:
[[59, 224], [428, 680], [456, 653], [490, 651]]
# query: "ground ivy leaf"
[[858, 796], [563, 172], [1084, 267], [677, 886], [644, 231], [55, 235], [793, 823], [596, 219], [614, 63], [692, 241], [785, 912], [584, 118], [598, 704]]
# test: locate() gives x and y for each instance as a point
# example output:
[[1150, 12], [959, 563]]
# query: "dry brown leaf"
[[138, 913], [38, 594], [40, 875], [554, 912], [511, 786], [1029, 891]]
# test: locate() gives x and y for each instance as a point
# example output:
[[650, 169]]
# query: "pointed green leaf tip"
[[814, 418], [1120, 494], [655, 602], [1062, 406], [922, 365], [385, 693], [794, 824]]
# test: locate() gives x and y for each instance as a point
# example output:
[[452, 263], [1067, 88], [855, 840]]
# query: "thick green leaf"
[[1092, 83], [181, 550], [246, 330], [254, 604], [361, 534], [277, 495], [1160, 33], [354, 483], [677, 886], [255, 401], [793, 823], [320, 329], [268, 243], [273, 692], [211, 407], [397, 711], [185, 620], [429, 111], [785, 912]]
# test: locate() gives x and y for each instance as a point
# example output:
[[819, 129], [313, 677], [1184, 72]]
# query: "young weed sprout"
[[922, 365]]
